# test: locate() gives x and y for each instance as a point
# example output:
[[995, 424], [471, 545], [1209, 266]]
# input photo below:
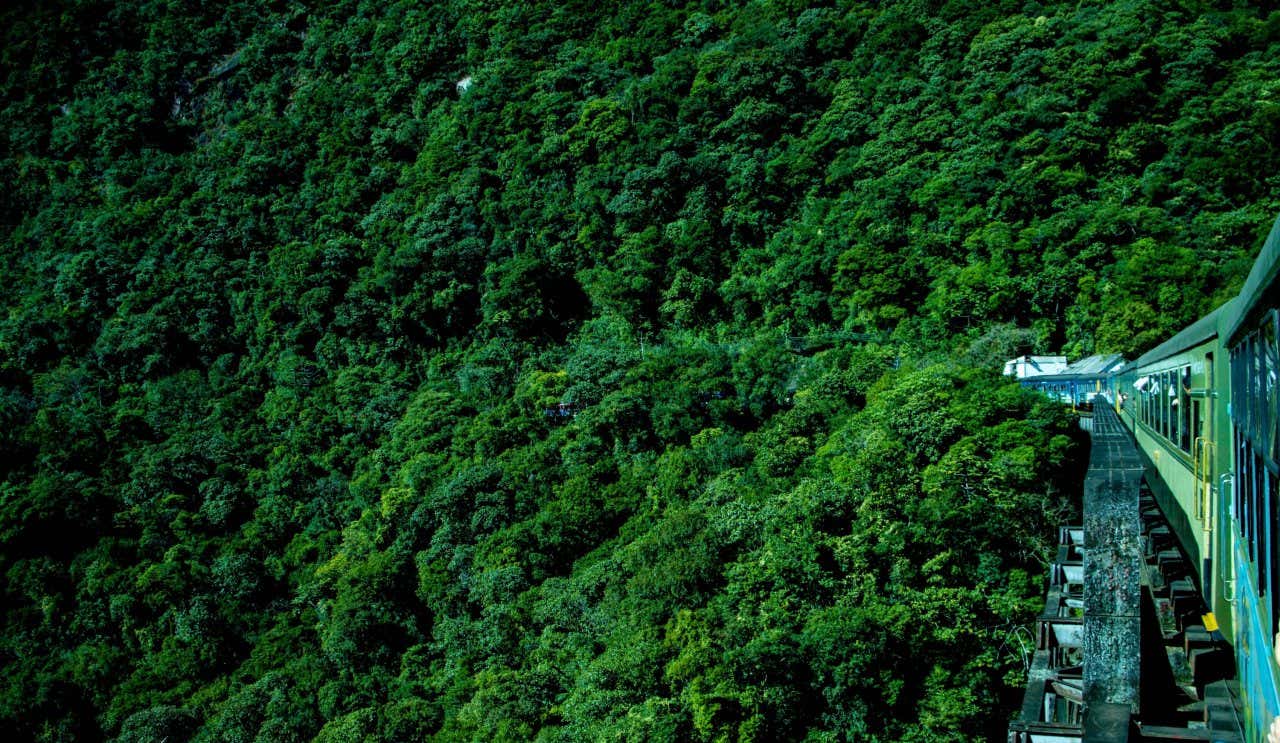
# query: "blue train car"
[[1250, 332], [1079, 383]]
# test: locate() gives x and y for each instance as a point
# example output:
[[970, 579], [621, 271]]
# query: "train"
[[1204, 411]]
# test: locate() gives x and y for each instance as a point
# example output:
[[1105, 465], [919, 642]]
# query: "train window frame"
[[1144, 397]]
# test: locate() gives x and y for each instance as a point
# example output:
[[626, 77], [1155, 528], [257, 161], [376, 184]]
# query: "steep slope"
[[285, 307]]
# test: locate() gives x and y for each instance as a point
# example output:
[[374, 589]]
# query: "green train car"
[[1203, 408]]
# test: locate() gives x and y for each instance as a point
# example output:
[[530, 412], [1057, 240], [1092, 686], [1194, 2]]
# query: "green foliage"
[[286, 309]]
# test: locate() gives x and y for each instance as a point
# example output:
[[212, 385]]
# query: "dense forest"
[[571, 371]]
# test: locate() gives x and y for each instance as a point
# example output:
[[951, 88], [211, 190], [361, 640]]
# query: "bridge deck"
[[1104, 660], [1113, 558]]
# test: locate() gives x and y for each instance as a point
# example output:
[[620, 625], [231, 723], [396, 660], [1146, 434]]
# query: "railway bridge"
[[1121, 650]]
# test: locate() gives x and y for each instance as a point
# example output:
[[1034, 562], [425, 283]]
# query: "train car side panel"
[[1254, 506], [1168, 401]]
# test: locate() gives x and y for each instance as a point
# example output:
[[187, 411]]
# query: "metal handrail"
[[1225, 480]]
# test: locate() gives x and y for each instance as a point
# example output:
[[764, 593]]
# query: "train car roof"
[[1191, 336], [1259, 287], [1086, 368], [1095, 365]]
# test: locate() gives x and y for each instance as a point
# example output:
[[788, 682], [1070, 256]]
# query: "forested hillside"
[[577, 371]]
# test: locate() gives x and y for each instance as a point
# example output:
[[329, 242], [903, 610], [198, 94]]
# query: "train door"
[[1213, 484], [1192, 437]]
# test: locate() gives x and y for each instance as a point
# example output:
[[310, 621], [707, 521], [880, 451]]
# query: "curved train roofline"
[[1257, 296], [1197, 333], [1260, 288]]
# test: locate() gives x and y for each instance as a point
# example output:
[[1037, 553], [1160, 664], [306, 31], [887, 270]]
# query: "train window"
[[1262, 507], [1245, 488], [1162, 402], [1240, 486], [1160, 396], [1184, 408], [1157, 388], [1155, 401], [1175, 408], [1246, 496], [1244, 492]]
